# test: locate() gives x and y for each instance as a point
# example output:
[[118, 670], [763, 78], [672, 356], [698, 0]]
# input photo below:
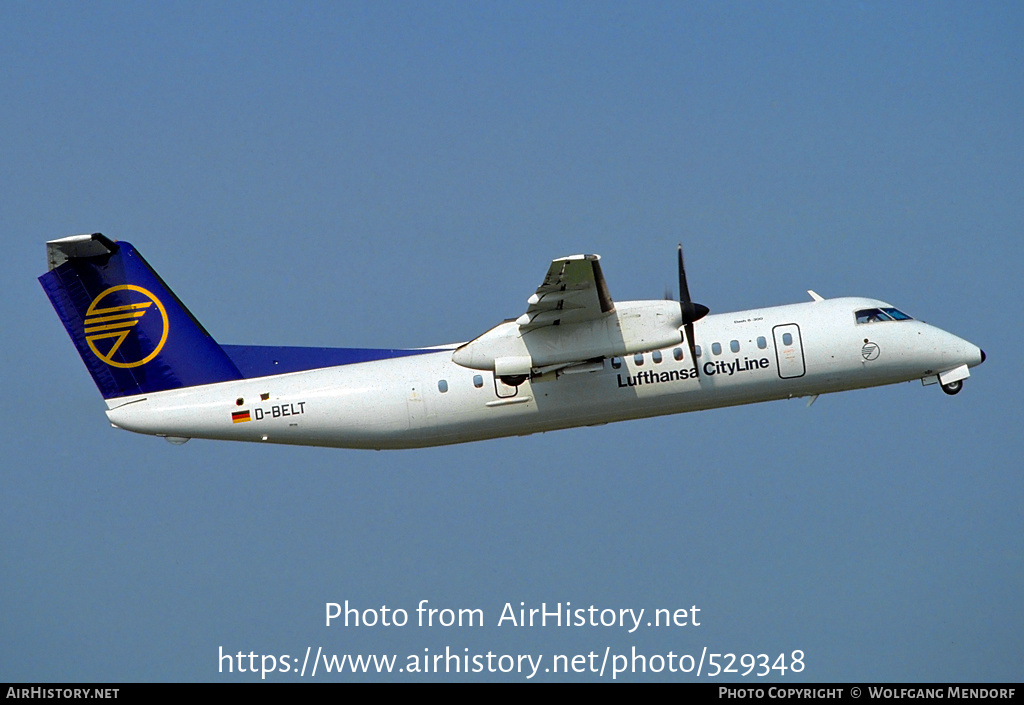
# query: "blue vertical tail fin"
[[133, 333]]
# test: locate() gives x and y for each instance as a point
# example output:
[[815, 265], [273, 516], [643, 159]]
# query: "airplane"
[[575, 357]]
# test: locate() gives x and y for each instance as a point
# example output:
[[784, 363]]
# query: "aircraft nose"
[[974, 355], [979, 356], [958, 351]]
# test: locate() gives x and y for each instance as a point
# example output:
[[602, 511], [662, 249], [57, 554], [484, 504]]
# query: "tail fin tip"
[[60, 251]]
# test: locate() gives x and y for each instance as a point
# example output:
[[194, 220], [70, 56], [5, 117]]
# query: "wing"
[[570, 320], [574, 291]]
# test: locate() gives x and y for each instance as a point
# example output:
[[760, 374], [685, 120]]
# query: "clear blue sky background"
[[401, 174]]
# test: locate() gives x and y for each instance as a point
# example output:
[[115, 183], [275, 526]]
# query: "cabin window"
[[442, 385], [478, 381], [787, 338], [734, 345], [656, 356], [677, 353], [639, 359], [697, 350], [716, 348], [762, 343]]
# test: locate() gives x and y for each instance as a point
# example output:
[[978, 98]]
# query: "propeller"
[[691, 311]]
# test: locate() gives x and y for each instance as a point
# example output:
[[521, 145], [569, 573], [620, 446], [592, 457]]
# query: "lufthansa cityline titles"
[[721, 367]]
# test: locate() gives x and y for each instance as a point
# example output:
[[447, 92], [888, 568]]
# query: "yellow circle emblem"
[[115, 323]]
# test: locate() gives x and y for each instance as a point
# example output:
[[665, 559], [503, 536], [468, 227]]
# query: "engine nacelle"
[[633, 327]]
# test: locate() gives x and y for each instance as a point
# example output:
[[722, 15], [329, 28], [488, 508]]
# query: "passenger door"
[[789, 351]]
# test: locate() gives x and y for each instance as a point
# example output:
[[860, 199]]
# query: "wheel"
[[513, 380], [953, 387]]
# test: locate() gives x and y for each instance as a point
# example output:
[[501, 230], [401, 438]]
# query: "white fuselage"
[[427, 399]]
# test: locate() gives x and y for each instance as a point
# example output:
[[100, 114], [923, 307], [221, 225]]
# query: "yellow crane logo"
[[115, 324]]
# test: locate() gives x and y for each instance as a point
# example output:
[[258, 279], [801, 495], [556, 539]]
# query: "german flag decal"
[[240, 416]]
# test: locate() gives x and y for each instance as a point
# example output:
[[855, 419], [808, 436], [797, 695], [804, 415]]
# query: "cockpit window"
[[897, 314], [875, 315], [871, 315]]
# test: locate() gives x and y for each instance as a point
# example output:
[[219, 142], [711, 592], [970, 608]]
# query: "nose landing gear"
[[953, 387]]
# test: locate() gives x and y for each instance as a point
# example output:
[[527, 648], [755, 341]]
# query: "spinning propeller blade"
[[691, 311]]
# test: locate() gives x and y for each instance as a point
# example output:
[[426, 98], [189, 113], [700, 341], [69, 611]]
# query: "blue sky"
[[401, 174]]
